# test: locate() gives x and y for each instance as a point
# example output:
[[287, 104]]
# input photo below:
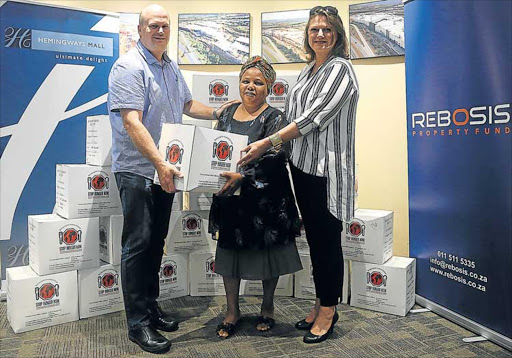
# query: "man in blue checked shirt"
[[146, 89]]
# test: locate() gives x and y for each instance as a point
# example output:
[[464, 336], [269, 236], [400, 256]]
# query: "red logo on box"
[[174, 154], [192, 223], [218, 89], [210, 265], [356, 228], [168, 270], [222, 150], [70, 236], [280, 88], [376, 278], [47, 291], [97, 181], [108, 280]]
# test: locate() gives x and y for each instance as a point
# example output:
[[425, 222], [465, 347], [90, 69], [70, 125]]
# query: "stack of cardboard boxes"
[[65, 279], [201, 154], [379, 281]]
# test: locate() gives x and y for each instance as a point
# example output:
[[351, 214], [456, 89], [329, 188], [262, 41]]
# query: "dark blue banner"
[[55, 63], [459, 95]]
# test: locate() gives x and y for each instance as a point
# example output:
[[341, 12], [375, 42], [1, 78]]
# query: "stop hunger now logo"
[[222, 150], [70, 238], [174, 152], [168, 272], [376, 280], [218, 91], [108, 282], [97, 184], [46, 294]]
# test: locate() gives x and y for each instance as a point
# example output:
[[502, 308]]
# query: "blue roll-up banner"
[[54, 68], [459, 95]]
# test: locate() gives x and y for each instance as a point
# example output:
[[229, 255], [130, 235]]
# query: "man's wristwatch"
[[275, 140]]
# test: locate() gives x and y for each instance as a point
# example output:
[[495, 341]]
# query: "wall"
[[381, 142]]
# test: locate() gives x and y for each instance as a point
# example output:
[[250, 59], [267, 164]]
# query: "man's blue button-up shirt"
[[138, 81]]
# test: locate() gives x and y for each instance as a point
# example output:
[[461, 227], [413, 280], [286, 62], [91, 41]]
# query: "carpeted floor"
[[358, 333]]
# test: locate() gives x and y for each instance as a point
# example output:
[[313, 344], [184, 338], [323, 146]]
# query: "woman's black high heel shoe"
[[303, 325], [313, 338]]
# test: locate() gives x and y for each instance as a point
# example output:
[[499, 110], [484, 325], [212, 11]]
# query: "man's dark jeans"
[[146, 210]]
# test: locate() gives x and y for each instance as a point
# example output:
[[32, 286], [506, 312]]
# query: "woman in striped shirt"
[[321, 111]]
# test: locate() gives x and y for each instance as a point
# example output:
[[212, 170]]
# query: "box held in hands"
[[200, 154]]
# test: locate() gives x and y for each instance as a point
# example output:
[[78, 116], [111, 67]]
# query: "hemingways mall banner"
[[55, 63], [459, 95]]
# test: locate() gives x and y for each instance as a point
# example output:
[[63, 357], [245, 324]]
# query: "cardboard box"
[[213, 91], [98, 146], [255, 288], [305, 286], [388, 288], [40, 301], [201, 154], [173, 277], [85, 191], [206, 123], [368, 237], [111, 231], [199, 201], [177, 203], [302, 243], [57, 245], [203, 280], [188, 231], [100, 291], [280, 89]]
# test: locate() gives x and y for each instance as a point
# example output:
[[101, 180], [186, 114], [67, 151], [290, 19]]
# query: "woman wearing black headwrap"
[[256, 229]]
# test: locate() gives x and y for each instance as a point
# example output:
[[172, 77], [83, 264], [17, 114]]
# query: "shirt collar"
[[308, 68], [148, 56]]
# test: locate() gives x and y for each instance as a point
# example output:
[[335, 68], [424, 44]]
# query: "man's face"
[[154, 32]]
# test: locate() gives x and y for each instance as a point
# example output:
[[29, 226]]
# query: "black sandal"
[[229, 328], [269, 322]]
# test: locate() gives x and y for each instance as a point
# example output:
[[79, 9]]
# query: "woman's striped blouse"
[[323, 106]]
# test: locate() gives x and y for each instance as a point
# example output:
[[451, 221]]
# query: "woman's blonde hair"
[[340, 47]]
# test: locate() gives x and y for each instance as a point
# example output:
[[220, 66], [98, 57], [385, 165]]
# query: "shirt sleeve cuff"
[[118, 106], [304, 125]]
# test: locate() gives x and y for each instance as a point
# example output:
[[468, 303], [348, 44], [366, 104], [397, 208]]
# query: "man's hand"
[[234, 180], [166, 173], [254, 151], [218, 111]]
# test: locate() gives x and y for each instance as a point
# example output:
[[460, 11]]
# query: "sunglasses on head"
[[328, 9]]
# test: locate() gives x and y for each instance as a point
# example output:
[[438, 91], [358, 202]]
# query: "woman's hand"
[[254, 151], [234, 180]]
